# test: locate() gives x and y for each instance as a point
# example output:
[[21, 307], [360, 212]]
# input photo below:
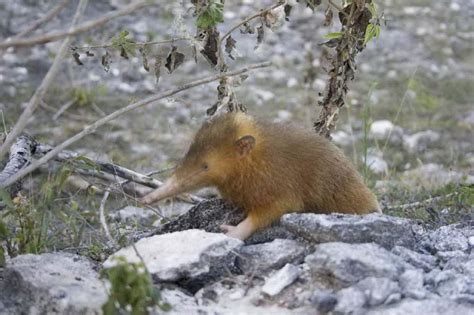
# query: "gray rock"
[[281, 279], [56, 283], [186, 254], [383, 129], [449, 283], [431, 176], [350, 301], [384, 230], [418, 260], [447, 256], [393, 298], [272, 255], [237, 297], [448, 238], [463, 265], [416, 307], [180, 302], [345, 264], [376, 163], [323, 301], [131, 213], [377, 290], [342, 138], [420, 141], [411, 282]]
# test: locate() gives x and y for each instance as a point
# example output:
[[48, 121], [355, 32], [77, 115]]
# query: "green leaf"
[[333, 35], [211, 15], [3, 231], [126, 45], [373, 9], [2, 257], [371, 31], [5, 197], [87, 163]]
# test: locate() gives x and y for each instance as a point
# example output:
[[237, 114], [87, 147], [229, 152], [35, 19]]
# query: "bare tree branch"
[[93, 127], [36, 24], [115, 170], [86, 26], [20, 156], [41, 90]]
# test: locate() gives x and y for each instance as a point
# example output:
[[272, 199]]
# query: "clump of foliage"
[[210, 14], [131, 290]]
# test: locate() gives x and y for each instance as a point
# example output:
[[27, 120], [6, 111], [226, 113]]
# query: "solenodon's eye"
[[205, 166]]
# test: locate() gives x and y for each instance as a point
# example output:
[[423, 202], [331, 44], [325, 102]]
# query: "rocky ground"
[[338, 264], [407, 125]]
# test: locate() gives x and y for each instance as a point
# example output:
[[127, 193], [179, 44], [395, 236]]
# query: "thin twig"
[[158, 42], [104, 168], [420, 203], [220, 65], [93, 127], [337, 7], [103, 221], [36, 24], [41, 90], [68, 115], [63, 108], [250, 18], [86, 26]]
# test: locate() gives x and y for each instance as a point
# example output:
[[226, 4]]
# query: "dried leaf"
[[247, 29], [229, 46], [106, 61], [211, 47], [312, 4], [174, 59], [77, 58], [123, 53], [328, 16], [144, 53], [157, 68], [269, 18], [260, 35], [194, 51], [330, 43], [212, 110], [288, 9]]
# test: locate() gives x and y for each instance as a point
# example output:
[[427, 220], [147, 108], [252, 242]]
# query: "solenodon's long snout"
[[170, 188]]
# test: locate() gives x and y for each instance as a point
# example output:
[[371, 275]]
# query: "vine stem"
[[159, 42]]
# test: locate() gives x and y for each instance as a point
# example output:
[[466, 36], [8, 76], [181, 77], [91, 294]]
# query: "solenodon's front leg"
[[241, 231]]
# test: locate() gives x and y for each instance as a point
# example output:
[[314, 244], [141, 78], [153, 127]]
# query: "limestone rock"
[[345, 264], [437, 306], [272, 255], [281, 279], [418, 260], [55, 283], [178, 255], [384, 230]]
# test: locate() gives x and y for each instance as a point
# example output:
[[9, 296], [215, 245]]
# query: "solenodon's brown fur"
[[268, 169]]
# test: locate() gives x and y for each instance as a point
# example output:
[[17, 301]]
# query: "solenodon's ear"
[[244, 145]]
